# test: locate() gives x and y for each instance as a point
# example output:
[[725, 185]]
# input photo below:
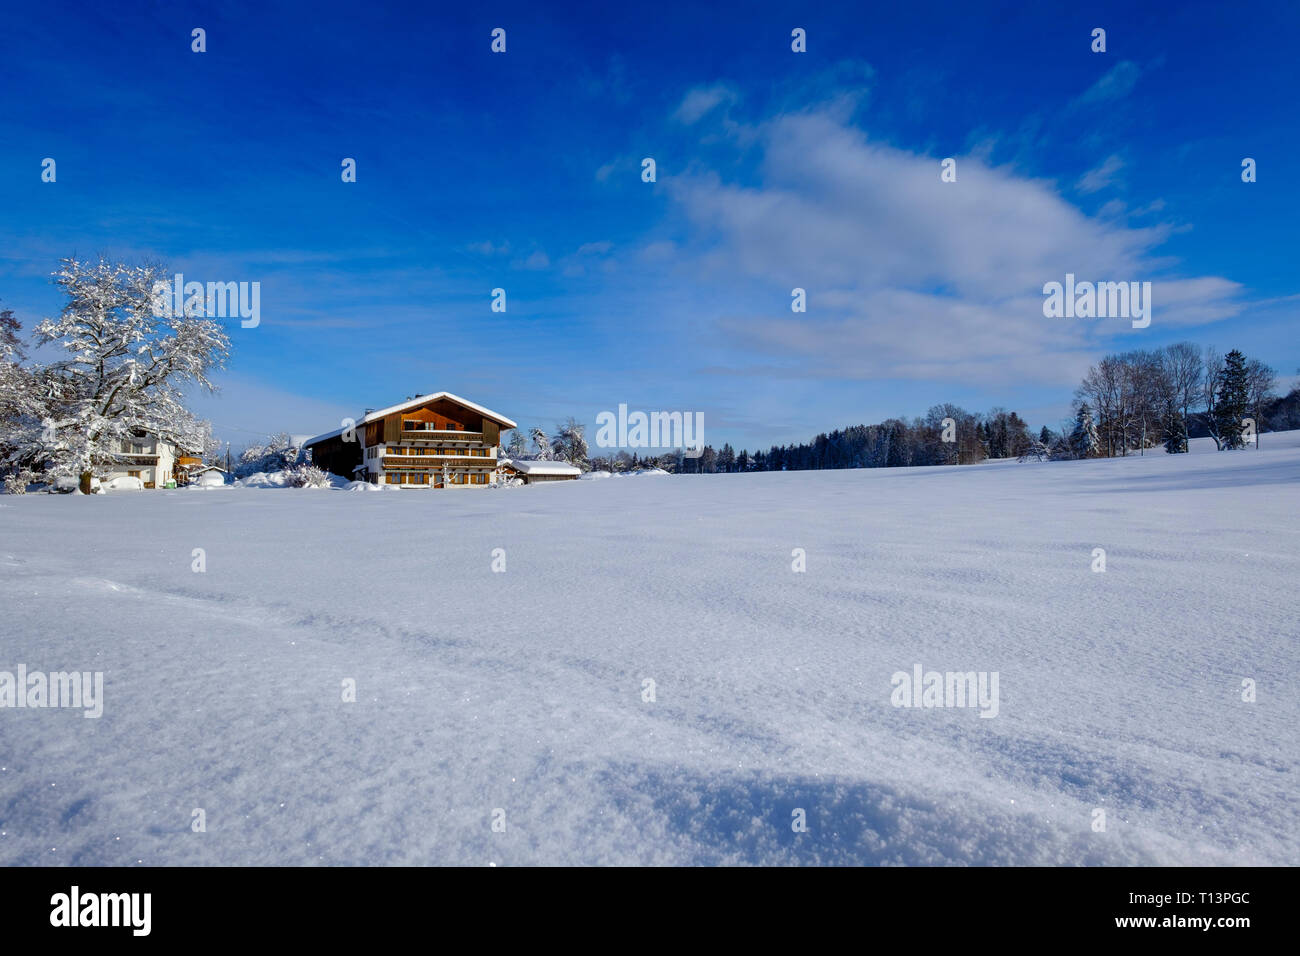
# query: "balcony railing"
[[438, 452], [435, 462], [441, 434]]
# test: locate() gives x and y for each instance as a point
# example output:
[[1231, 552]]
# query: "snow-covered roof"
[[541, 467], [418, 401]]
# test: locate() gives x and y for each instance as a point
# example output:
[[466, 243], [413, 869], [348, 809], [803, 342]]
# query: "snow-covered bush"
[[17, 482], [278, 454], [306, 476], [1036, 451]]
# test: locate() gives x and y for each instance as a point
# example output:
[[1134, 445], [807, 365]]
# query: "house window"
[[133, 474]]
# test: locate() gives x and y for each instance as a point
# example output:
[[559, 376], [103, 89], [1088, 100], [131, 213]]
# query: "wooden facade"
[[431, 441]]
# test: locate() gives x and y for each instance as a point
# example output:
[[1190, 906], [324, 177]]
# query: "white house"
[[145, 457]]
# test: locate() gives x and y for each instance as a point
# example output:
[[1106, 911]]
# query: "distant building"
[[532, 472], [145, 457], [204, 475], [429, 441]]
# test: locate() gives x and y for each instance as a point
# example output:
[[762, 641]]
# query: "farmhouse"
[[532, 472], [430, 441]]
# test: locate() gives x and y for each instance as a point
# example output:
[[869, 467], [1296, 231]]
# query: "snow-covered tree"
[[541, 444], [1084, 441], [22, 407], [1036, 450], [278, 454], [124, 371], [518, 446], [570, 443]]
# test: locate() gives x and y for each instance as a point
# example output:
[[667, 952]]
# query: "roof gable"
[[418, 402], [422, 400]]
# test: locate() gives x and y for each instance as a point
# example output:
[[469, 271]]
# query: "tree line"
[[1126, 403]]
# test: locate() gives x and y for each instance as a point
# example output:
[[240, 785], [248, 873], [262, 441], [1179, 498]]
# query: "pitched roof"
[[419, 400]]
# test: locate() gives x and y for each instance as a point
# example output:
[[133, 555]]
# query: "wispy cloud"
[[1115, 83], [1101, 177], [703, 100], [535, 262]]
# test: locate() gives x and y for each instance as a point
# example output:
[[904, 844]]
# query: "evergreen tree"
[[1084, 441], [1231, 400], [1174, 427], [727, 459], [518, 446]]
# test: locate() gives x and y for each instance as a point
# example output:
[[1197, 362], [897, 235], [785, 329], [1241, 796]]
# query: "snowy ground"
[[523, 690]]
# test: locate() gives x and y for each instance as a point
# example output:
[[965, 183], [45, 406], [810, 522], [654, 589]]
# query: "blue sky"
[[522, 171]]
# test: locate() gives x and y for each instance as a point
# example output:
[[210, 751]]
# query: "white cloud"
[[488, 248], [702, 100], [908, 276], [536, 262]]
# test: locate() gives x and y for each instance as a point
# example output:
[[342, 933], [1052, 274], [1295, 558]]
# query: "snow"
[[532, 467], [523, 690], [263, 479], [635, 473], [124, 483]]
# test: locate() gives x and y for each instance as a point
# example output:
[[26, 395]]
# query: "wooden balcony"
[[430, 434], [435, 462]]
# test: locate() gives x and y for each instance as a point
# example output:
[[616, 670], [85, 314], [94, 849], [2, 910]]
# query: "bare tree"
[[1211, 370], [1259, 390], [1183, 370]]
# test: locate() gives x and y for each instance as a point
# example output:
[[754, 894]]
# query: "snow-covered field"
[[480, 691]]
